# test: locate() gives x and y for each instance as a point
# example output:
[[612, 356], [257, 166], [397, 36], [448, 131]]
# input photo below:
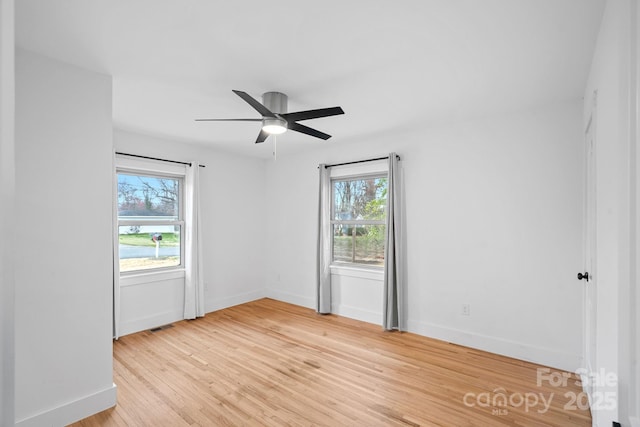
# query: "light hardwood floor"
[[268, 363]]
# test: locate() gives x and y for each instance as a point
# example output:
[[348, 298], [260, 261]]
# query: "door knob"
[[584, 276]]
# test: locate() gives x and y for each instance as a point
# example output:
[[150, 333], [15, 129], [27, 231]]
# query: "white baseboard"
[[164, 318], [220, 303], [542, 356], [73, 411], [144, 323], [291, 298], [517, 350], [357, 313]]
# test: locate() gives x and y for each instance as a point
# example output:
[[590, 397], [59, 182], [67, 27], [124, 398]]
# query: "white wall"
[[494, 220], [7, 190], [233, 231], [63, 347], [613, 76]]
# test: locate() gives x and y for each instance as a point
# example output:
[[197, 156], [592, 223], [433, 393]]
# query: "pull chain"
[[275, 147]]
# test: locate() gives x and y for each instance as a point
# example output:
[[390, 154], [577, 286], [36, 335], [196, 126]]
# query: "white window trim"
[[374, 167], [360, 271], [141, 277], [125, 164]]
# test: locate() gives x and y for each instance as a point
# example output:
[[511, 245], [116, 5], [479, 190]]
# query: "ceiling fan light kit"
[[274, 126], [277, 120]]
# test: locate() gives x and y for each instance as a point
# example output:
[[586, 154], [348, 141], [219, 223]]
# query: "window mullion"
[[124, 222], [358, 222]]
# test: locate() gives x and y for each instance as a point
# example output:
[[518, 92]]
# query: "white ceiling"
[[391, 65]]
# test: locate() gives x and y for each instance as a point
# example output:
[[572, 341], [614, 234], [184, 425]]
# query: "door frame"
[[590, 308], [634, 297]]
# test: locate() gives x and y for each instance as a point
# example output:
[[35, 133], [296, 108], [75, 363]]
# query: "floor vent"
[[161, 328]]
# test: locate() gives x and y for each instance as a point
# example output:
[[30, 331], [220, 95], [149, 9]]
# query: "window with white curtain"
[[358, 214], [150, 220]]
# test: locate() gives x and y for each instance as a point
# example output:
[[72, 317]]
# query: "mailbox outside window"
[[156, 237]]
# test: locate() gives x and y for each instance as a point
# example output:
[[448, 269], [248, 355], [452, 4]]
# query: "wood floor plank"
[[268, 363]]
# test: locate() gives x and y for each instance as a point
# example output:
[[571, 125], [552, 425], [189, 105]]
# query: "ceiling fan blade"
[[307, 130], [255, 104], [312, 114], [261, 136], [228, 120]]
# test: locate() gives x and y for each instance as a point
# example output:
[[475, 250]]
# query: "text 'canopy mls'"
[[140, 195]]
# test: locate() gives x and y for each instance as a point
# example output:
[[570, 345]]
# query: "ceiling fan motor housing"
[[276, 102]]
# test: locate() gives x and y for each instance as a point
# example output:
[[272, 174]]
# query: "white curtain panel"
[[324, 242], [193, 283], [116, 256], [393, 312]]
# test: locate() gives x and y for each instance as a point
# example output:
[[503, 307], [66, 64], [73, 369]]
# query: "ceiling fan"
[[275, 118]]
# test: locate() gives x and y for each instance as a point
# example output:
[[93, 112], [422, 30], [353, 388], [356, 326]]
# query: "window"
[[358, 216], [150, 221]]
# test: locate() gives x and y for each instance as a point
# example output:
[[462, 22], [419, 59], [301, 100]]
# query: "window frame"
[[354, 177], [155, 173]]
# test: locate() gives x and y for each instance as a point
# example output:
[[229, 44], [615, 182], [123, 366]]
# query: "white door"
[[588, 275]]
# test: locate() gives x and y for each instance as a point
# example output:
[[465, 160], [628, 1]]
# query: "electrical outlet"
[[466, 310]]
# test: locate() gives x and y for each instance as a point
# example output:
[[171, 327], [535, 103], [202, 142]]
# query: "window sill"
[[372, 273], [150, 277]]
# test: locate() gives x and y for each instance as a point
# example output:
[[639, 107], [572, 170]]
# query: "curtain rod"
[[359, 161], [155, 158]]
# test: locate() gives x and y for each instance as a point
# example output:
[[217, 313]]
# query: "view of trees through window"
[[358, 220], [147, 196], [149, 221]]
